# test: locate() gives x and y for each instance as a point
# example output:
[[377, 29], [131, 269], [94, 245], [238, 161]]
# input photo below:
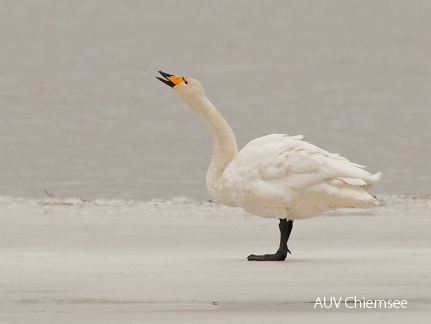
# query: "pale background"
[[83, 115]]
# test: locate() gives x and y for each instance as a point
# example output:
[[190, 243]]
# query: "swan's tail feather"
[[376, 177]]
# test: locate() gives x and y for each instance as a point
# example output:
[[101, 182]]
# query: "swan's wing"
[[278, 165]]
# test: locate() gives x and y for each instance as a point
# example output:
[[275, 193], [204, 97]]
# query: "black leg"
[[285, 229]]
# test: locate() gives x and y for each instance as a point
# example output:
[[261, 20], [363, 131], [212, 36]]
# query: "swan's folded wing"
[[288, 163]]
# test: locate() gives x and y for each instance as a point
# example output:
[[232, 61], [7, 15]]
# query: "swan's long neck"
[[224, 143]]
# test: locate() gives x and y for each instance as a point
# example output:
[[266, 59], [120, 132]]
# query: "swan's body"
[[276, 175], [284, 177]]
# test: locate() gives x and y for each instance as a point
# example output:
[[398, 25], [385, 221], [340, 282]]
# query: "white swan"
[[276, 176]]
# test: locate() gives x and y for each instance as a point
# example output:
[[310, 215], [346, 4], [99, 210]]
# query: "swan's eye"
[[185, 81]]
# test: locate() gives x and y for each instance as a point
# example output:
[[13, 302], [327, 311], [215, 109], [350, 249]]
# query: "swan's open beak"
[[171, 80]]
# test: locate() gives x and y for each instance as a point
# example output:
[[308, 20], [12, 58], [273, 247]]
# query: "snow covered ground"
[[184, 261]]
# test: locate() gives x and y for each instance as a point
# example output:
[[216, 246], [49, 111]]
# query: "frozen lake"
[[183, 261]]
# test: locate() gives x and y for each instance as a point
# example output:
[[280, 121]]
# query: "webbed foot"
[[279, 256]]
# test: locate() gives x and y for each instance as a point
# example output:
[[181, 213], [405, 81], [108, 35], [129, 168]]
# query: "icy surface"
[[184, 261]]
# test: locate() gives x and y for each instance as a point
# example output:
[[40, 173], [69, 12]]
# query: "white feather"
[[281, 176]]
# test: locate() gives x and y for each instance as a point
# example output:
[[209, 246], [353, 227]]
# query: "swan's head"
[[187, 87]]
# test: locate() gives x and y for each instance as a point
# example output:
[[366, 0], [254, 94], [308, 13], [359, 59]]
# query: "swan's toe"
[[279, 256]]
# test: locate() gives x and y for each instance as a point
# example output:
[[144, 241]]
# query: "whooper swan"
[[274, 176]]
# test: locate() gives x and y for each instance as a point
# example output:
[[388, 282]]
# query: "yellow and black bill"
[[171, 80]]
